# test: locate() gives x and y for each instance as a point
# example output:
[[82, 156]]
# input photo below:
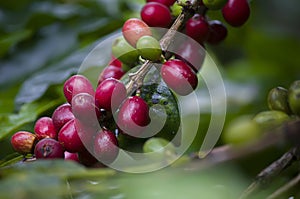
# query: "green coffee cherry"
[[159, 148], [278, 100], [176, 9], [270, 119], [294, 97], [149, 48], [241, 130], [123, 51], [214, 4]]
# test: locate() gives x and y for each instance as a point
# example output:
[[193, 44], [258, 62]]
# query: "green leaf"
[[28, 113], [11, 39]]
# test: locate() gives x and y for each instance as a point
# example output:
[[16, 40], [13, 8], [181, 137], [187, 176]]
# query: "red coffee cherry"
[[192, 53], [217, 32], [62, 115], [156, 15], [197, 28], [133, 29], [71, 156], [69, 138], [48, 148], [23, 142], [167, 3], [110, 93], [179, 76], [84, 109], [236, 12], [133, 116], [77, 84], [111, 71], [44, 128], [106, 146]]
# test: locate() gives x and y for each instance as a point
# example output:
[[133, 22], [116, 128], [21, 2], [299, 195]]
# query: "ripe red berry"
[[111, 71], [115, 62], [69, 138], [179, 76], [77, 84], [133, 29], [44, 128], [236, 12], [71, 156], [156, 15], [106, 146], [86, 132], [48, 148], [84, 109], [217, 32], [23, 142], [197, 28], [192, 53], [133, 116], [87, 159], [62, 115], [110, 94], [167, 3]]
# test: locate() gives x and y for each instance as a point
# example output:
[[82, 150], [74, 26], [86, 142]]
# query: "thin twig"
[[273, 170], [277, 194]]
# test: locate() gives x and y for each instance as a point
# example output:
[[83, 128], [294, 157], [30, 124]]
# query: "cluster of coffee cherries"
[[160, 13], [90, 125], [284, 105]]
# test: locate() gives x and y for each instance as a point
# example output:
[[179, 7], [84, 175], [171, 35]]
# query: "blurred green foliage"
[[43, 42]]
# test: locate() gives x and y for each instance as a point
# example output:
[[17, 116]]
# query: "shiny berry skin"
[[69, 138], [236, 12], [48, 148], [192, 53], [106, 146], [44, 128], [179, 76], [156, 15], [197, 28], [133, 116], [71, 156], [111, 71], [84, 108], [77, 84], [167, 3], [115, 62], [149, 48], [23, 142], [62, 115], [217, 32], [133, 29], [122, 50], [110, 94], [86, 132]]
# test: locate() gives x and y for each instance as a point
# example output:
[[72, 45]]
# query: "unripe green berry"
[[270, 119], [124, 52], [214, 4], [294, 97], [149, 48], [159, 148], [241, 130], [278, 100], [176, 9]]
